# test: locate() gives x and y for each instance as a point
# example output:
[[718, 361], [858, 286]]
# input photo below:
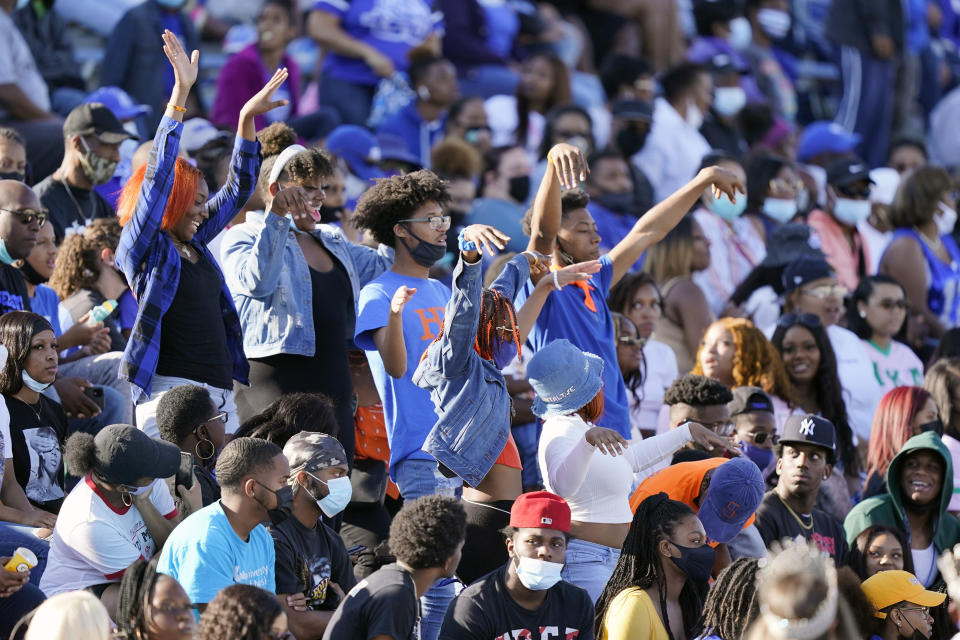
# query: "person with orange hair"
[[903, 412], [736, 353], [187, 330]]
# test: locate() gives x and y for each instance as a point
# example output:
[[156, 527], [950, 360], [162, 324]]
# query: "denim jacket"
[[270, 281], [468, 391]]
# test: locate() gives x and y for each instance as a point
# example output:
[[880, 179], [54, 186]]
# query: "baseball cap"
[[359, 148], [119, 102], [747, 399], [197, 132], [721, 63], [847, 171], [803, 270], [94, 118], [392, 147], [809, 429], [632, 110], [825, 137], [735, 492], [885, 588], [125, 454], [309, 451], [540, 509]]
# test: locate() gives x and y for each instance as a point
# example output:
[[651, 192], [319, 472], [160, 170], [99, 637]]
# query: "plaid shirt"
[[151, 263]]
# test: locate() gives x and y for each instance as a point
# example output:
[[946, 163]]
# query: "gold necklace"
[[806, 527]]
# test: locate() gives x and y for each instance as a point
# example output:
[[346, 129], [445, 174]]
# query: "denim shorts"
[[589, 566]]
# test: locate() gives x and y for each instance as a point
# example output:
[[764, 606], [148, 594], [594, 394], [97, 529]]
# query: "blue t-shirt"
[[565, 315], [408, 411], [503, 24], [392, 27], [205, 555], [46, 303]]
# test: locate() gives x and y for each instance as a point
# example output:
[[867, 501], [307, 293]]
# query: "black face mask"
[[330, 214], [31, 274], [696, 562], [284, 507], [629, 141], [934, 425], [519, 188], [618, 202], [425, 253], [12, 175]]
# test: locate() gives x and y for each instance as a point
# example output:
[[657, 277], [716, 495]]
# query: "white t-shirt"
[[18, 67], [898, 366], [925, 564], [94, 543], [502, 116], [661, 372], [860, 390], [953, 446], [6, 446]]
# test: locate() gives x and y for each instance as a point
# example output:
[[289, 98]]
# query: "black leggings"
[[485, 548]]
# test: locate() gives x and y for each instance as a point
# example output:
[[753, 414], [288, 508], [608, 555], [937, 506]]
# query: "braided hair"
[[136, 590], [732, 603], [496, 310], [640, 563]]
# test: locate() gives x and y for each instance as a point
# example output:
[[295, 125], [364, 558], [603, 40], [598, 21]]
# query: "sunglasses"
[[631, 341], [437, 223], [761, 437], [862, 193], [806, 319], [27, 216], [825, 291], [721, 427]]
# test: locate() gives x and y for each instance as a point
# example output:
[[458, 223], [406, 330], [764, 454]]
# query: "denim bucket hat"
[[564, 378]]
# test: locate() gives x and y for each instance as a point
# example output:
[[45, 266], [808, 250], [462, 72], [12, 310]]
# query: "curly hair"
[[181, 410], [308, 165], [243, 457], [655, 519], [570, 200], [426, 532], [732, 602], [276, 137], [80, 454], [892, 426], [697, 391], [79, 262], [392, 199], [17, 329], [186, 179], [455, 159], [290, 414], [239, 612], [755, 361]]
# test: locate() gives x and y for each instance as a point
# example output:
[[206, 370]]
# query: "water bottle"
[[99, 313]]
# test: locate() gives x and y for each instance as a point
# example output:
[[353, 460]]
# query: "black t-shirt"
[[384, 604], [38, 450], [775, 522], [64, 213], [308, 560], [13, 290], [486, 611], [193, 339], [209, 487]]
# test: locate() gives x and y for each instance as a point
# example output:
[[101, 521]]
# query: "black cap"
[[809, 429], [722, 63], [747, 399], [125, 454], [847, 171], [95, 119], [803, 270], [789, 242], [632, 110]]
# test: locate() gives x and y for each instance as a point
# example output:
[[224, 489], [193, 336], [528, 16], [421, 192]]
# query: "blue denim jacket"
[[469, 392], [270, 281]]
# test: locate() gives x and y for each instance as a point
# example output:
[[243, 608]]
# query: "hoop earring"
[[213, 449], [126, 498]]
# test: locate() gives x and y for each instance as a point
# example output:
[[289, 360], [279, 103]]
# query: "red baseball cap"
[[540, 510]]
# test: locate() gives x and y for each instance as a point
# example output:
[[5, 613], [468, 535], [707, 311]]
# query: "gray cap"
[[125, 454], [309, 451]]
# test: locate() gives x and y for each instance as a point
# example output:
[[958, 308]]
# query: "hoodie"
[[887, 509]]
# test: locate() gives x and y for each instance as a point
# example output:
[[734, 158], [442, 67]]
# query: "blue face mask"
[[32, 384], [729, 210], [761, 456], [5, 256], [780, 209], [338, 497], [506, 354], [171, 4]]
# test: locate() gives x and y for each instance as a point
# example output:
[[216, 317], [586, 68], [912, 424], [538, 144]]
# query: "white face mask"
[[740, 33], [694, 116], [774, 22], [782, 210], [728, 101], [850, 211], [946, 219], [538, 575]]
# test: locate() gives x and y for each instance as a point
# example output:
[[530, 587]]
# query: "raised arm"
[[528, 313], [658, 221]]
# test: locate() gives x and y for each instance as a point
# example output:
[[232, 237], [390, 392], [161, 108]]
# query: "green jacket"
[[887, 509]]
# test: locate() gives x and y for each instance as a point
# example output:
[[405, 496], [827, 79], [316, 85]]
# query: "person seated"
[[243, 610], [737, 586], [467, 121], [187, 417], [78, 614], [755, 426], [527, 593], [699, 399], [920, 487], [613, 202], [290, 414], [478, 38], [880, 548], [892, 593], [311, 559], [120, 511], [225, 543], [153, 606], [805, 456], [426, 537]]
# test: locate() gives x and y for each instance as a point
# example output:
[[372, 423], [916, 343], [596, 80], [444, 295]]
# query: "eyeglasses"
[[220, 417], [760, 437], [862, 193], [631, 341], [721, 428], [888, 304], [27, 216], [924, 610], [825, 291], [808, 320], [437, 223]]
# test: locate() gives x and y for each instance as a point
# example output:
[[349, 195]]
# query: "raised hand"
[[483, 235], [262, 101], [577, 272], [539, 263], [185, 67], [709, 440], [400, 298], [569, 163], [607, 441], [724, 182]]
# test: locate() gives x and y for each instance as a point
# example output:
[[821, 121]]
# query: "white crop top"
[[595, 485]]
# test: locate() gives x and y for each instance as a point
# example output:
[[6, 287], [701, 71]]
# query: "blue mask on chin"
[[506, 354], [761, 456]]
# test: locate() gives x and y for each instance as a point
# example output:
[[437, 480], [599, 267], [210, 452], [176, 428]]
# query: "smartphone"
[[95, 394], [356, 549], [185, 472]]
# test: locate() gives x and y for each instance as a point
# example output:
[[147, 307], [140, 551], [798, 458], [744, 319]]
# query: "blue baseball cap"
[[392, 147], [734, 493], [825, 137], [358, 148], [119, 102]]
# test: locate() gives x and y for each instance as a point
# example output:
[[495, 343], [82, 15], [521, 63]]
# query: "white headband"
[[285, 156]]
